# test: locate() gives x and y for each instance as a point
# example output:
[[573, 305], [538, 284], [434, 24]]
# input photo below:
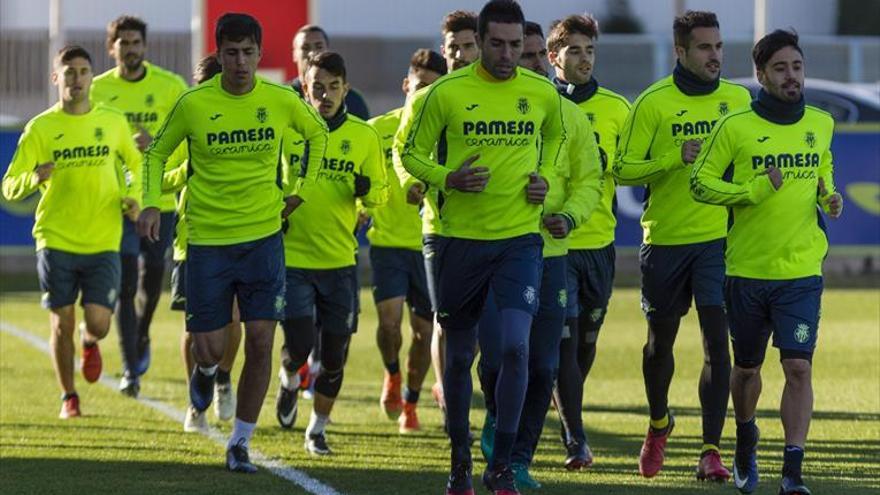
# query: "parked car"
[[847, 103]]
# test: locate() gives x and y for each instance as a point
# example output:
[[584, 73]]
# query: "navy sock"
[[411, 396], [793, 457], [503, 447], [393, 368], [223, 377], [746, 437]]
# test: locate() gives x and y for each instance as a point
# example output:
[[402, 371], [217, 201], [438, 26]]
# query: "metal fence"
[[625, 63]]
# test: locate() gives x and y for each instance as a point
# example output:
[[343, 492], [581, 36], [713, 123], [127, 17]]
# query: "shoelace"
[[459, 473], [240, 452], [504, 476]]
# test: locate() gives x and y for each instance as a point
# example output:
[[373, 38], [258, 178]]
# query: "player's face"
[[459, 48], [703, 54], [129, 49], [306, 44], [502, 48], [534, 54], [73, 78], [574, 62], [325, 91], [239, 60], [783, 76], [417, 79]]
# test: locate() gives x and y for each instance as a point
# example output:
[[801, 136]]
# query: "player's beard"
[[133, 63], [459, 63]]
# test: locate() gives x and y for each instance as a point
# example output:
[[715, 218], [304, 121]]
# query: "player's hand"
[[290, 203], [690, 149], [143, 139], [468, 179], [44, 171], [148, 223], [558, 225], [775, 176], [536, 189], [361, 185], [363, 219], [834, 201], [415, 194], [131, 209]]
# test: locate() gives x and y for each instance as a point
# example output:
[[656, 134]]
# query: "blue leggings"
[[510, 349]]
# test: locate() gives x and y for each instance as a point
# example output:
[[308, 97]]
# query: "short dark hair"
[[236, 27], [426, 59], [690, 20], [532, 29], [560, 30], [71, 52], [125, 23], [207, 68], [501, 11], [459, 20], [313, 28], [332, 62], [772, 43]]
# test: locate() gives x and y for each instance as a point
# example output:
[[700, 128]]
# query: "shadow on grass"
[[74, 476]]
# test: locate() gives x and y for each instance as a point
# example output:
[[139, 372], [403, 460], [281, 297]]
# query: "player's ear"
[[760, 75], [404, 86], [553, 57], [680, 52]]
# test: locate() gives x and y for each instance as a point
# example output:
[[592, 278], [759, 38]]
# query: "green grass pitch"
[[124, 447]]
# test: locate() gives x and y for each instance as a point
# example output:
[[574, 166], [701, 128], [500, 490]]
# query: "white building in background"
[[417, 18]]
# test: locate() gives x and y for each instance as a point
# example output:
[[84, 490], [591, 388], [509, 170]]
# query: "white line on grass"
[[275, 466]]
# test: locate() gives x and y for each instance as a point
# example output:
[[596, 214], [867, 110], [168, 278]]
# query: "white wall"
[[160, 15], [420, 18]]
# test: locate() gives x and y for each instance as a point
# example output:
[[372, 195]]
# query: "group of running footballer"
[[489, 204]]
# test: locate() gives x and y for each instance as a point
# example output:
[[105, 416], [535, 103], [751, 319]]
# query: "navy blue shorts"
[[329, 296], [178, 286], [154, 252], [131, 241], [788, 310], [64, 275], [672, 275], [252, 272], [399, 272], [512, 267], [590, 281], [430, 246]]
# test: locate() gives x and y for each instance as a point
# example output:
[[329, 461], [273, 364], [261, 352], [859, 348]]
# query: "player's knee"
[[542, 375], [421, 338], [98, 330], [129, 281], [389, 329], [299, 338], [797, 370], [656, 350], [462, 359], [208, 351], [591, 337], [334, 350], [718, 354], [515, 352], [329, 382], [746, 369]]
